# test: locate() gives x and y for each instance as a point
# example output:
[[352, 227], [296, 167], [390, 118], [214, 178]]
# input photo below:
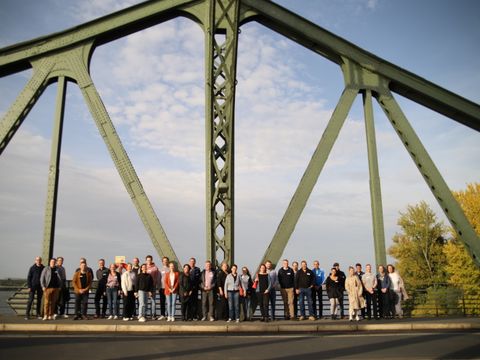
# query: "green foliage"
[[439, 301], [418, 248]]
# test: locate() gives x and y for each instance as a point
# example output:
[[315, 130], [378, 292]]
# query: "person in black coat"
[[335, 290], [186, 286], [341, 279], [34, 287]]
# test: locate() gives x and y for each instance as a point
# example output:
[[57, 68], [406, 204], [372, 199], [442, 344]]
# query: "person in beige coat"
[[354, 288]]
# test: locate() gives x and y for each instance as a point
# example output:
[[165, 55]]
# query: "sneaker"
[[77, 318], [84, 317], [161, 317], [27, 318], [110, 317], [204, 318], [311, 318], [115, 317], [237, 321], [39, 318], [65, 316], [301, 318], [229, 320], [142, 319], [125, 319], [50, 318], [212, 319], [172, 319], [54, 317]]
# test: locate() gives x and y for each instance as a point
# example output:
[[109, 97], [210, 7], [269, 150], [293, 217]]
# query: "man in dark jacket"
[[341, 279], [100, 293], [286, 279], [304, 281], [195, 274], [34, 287]]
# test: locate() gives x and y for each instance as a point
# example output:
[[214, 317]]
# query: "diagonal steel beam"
[[335, 48], [430, 173], [24, 102], [310, 177]]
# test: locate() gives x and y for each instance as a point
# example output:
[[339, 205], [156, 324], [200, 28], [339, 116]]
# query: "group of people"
[[223, 291]]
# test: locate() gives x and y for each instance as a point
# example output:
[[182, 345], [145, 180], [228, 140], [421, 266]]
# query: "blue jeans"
[[233, 304], [305, 292], [153, 308], [112, 296], [245, 301], [142, 302], [171, 304], [273, 298]]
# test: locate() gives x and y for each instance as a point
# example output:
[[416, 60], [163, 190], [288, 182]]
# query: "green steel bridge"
[[65, 57]]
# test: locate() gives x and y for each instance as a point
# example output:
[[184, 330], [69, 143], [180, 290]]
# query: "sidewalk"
[[15, 324]]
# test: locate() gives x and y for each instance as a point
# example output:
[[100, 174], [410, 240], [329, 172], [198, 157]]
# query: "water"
[[4, 307]]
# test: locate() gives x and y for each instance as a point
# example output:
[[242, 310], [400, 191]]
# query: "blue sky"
[[152, 85]]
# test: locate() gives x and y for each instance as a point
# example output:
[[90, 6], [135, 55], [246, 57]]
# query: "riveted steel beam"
[[221, 60], [335, 48], [54, 172], [310, 177], [431, 175]]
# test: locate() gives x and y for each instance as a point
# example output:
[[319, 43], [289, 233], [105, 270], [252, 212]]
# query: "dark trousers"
[[342, 306], [317, 296], [208, 301], [81, 299], [163, 302], [222, 307], [31, 295], [384, 304], [295, 303], [194, 303], [63, 298], [186, 307], [371, 300], [263, 300], [129, 304], [272, 295], [100, 295]]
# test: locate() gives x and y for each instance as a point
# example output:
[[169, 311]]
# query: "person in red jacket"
[[171, 290]]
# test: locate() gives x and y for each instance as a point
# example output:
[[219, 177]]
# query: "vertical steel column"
[[310, 177], [221, 60], [54, 172], [375, 188], [430, 173]]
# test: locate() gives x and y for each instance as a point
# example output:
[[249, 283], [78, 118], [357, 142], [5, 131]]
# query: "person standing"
[[128, 281], [195, 273], [113, 288], [185, 290], [383, 284], [163, 300], [50, 281], [334, 292], [81, 281], [273, 290], [136, 265], [304, 280], [246, 294], [359, 272], [34, 287], [397, 292], [156, 275], [295, 296], [341, 278], [64, 293], [144, 289], [232, 294], [317, 291], [208, 283], [286, 280], [222, 301], [263, 285], [171, 290], [101, 291], [369, 281], [354, 288]]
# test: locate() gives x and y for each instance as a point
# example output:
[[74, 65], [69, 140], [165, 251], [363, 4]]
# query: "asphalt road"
[[454, 345]]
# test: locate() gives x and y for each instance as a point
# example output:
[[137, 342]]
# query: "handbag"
[[241, 291], [255, 284]]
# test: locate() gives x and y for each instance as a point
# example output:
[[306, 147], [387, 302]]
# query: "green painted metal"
[[221, 61], [430, 173], [375, 188], [310, 177], [54, 172]]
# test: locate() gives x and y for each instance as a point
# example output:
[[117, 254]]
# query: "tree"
[[461, 269], [418, 248]]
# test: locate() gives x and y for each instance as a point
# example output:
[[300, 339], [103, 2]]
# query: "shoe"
[[110, 317], [311, 318], [350, 319], [39, 318], [125, 319], [142, 319], [212, 319], [357, 319], [204, 318], [301, 318], [161, 317], [96, 316], [237, 321], [65, 316], [229, 320], [115, 317], [172, 319], [84, 317], [77, 318], [50, 318], [27, 318], [54, 317]]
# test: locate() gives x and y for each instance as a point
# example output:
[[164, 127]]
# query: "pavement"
[[16, 324]]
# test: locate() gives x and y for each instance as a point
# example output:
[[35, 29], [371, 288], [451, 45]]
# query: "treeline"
[[434, 263]]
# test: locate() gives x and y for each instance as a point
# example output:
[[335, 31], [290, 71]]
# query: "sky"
[[152, 85]]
